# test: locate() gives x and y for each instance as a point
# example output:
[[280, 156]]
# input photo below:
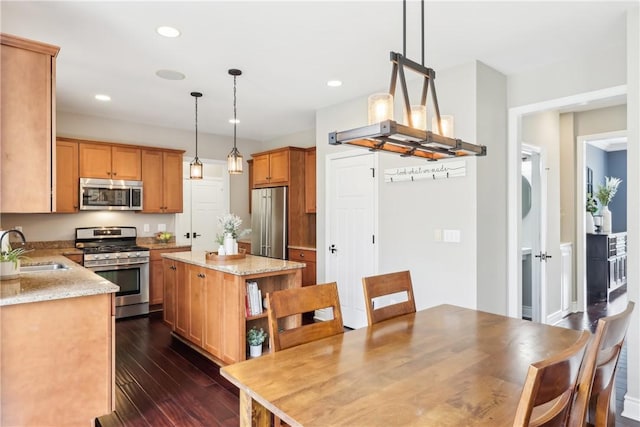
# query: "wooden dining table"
[[443, 366]]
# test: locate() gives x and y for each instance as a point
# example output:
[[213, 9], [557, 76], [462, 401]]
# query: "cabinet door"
[[169, 305], [261, 170], [309, 258], [310, 181], [125, 163], [152, 181], [67, 176], [213, 312], [156, 282], [279, 167], [27, 118], [197, 277], [172, 182], [95, 160], [182, 299]]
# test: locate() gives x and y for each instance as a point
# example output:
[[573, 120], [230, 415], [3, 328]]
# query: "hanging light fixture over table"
[[195, 168], [234, 159], [413, 139]]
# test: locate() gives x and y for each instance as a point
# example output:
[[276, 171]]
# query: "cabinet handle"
[[173, 267], [108, 173], [115, 173], [201, 275], [301, 255]]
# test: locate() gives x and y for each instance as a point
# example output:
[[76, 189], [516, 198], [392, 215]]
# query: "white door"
[[204, 200], [351, 226]]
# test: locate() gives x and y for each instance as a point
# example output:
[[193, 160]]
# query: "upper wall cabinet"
[[67, 191], [27, 133], [162, 181], [110, 161], [271, 168]]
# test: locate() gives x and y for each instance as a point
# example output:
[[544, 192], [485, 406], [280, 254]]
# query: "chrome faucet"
[[18, 232]]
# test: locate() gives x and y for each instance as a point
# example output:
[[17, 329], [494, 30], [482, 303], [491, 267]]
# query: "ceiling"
[[287, 52]]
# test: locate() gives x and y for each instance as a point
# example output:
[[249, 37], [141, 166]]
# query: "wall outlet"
[[162, 227], [146, 228]]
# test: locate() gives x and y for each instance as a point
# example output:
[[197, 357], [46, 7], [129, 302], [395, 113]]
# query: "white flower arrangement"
[[230, 224]]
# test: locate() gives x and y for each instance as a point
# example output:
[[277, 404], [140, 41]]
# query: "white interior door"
[[351, 206], [204, 200]]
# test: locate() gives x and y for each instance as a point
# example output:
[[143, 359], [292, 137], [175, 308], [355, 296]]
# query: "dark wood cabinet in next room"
[[606, 265]]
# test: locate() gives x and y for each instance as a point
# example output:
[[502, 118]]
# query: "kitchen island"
[[57, 355], [205, 302]]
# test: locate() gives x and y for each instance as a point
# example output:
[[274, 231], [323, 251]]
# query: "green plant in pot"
[[10, 261], [255, 338]]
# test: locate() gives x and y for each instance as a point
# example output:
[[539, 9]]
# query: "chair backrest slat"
[[388, 284], [293, 302]]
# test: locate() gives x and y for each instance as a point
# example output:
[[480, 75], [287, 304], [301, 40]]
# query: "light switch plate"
[[452, 236]]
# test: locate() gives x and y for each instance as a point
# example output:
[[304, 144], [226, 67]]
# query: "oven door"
[[133, 280]]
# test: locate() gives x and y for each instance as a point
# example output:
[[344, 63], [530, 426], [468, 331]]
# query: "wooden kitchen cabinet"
[[156, 276], [162, 181], [172, 270], [27, 133], [110, 161], [246, 246], [195, 296], [308, 256], [67, 190], [310, 180], [271, 168]]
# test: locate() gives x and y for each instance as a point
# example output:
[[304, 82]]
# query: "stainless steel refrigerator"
[[269, 222]]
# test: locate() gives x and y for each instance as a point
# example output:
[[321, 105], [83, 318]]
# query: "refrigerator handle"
[[268, 216]]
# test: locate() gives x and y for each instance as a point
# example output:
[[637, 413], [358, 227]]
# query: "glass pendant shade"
[[418, 117], [234, 162], [195, 169], [447, 126], [380, 107]]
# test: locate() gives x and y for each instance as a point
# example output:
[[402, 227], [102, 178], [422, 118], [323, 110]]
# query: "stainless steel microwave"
[[110, 194]]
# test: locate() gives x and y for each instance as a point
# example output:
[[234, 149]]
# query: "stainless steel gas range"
[[112, 253]]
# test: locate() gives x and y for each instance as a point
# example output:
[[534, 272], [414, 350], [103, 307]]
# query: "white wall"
[[302, 139]]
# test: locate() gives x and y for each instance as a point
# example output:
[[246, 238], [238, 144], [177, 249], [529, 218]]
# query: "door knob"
[[543, 256], [196, 234], [333, 249], [187, 235]]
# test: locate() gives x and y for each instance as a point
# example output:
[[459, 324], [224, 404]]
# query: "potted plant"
[[255, 338], [230, 224], [10, 262]]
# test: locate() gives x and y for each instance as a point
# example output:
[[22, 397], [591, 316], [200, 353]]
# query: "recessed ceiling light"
[[170, 75], [102, 97], [232, 121], [334, 83], [168, 31]]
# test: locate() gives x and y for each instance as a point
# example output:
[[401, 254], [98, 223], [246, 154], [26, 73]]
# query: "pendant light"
[[413, 139], [234, 159], [195, 168]]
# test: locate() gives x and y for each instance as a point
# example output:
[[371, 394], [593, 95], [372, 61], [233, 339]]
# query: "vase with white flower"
[[604, 195], [230, 225]]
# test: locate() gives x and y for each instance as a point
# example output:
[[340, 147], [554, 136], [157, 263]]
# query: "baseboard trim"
[[526, 312], [554, 318], [631, 408]]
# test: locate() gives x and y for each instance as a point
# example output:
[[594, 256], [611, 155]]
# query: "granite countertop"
[[76, 281], [242, 267]]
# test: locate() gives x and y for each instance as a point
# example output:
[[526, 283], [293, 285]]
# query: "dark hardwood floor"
[[161, 382]]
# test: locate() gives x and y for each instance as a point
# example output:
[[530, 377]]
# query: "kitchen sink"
[[45, 266]]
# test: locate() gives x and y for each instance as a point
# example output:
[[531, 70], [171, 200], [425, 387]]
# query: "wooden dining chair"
[[292, 302], [549, 387], [387, 285], [595, 397]]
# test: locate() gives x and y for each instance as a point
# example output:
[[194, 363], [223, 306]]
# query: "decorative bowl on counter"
[[163, 236]]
